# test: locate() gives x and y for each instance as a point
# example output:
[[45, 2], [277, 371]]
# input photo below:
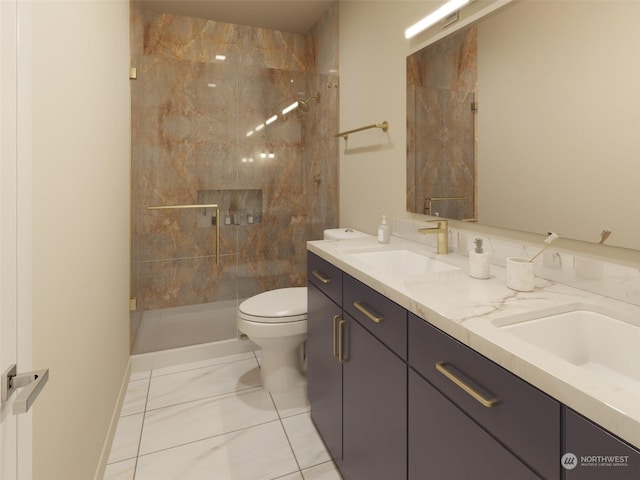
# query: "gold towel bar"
[[210, 205], [172, 207], [429, 200], [384, 126]]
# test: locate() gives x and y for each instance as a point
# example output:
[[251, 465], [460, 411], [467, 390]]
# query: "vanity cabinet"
[[324, 370], [516, 414], [395, 398], [592, 453], [357, 385]]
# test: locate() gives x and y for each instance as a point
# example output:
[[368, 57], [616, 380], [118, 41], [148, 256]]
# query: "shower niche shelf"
[[237, 207]]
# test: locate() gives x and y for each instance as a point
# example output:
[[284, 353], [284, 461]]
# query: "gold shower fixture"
[[304, 104]]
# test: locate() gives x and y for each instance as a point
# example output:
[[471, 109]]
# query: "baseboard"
[[113, 425]]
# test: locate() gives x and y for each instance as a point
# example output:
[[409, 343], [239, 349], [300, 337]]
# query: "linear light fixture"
[[272, 119], [434, 17]]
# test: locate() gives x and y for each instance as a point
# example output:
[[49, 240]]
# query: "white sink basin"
[[592, 341], [402, 262]]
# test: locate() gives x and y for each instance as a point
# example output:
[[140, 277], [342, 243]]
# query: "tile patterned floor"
[[213, 420]]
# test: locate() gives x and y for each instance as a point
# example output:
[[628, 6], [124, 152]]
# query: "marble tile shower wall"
[[191, 114]]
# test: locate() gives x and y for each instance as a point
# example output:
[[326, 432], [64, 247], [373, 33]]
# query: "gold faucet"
[[442, 229]]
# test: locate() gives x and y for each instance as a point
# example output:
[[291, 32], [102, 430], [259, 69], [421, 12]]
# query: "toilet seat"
[[283, 305]]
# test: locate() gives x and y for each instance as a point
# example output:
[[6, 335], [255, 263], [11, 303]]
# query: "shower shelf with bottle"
[[236, 206]]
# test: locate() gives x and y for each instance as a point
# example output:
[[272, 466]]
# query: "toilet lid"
[[281, 305]]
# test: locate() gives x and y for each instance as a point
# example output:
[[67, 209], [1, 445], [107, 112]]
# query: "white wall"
[[373, 54], [558, 139], [81, 158]]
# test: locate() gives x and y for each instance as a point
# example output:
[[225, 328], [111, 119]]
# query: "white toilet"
[[277, 322]]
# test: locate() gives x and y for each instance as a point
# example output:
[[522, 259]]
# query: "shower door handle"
[[31, 383]]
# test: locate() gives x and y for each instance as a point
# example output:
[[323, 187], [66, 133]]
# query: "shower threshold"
[[177, 327]]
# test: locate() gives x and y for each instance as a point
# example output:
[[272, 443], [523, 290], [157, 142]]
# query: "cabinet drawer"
[[445, 444], [523, 418], [327, 277], [385, 319]]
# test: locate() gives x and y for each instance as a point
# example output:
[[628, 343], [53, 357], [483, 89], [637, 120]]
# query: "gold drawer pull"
[[374, 317], [487, 402], [335, 346], [320, 276], [341, 340]]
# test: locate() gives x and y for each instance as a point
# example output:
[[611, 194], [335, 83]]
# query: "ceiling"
[[285, 15]]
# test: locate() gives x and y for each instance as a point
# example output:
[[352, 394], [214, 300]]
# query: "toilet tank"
[[343, 233]]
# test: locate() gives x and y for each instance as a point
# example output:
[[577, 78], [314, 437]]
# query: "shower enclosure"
[[208, 128]]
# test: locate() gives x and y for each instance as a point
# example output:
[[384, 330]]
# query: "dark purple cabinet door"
[[445, 444], [374, 409], [592, 453], [324, 371]]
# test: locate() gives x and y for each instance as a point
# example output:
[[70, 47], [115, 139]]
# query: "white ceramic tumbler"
[[520, 274]]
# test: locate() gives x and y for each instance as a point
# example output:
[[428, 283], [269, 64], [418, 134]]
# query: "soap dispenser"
[[384, 232], [478, 261]]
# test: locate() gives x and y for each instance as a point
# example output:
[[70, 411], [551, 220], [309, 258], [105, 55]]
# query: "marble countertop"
[[470, 310]]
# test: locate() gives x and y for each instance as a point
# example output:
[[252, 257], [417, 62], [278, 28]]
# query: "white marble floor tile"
[[188, 422], [293, 476], [324, 471], [126, 439], [260, 452], [293, 402], [307, 445], [201, 383], [120, 470], [202, 363], [135, 398]]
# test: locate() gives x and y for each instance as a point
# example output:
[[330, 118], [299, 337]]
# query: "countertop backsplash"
[[602, 277]]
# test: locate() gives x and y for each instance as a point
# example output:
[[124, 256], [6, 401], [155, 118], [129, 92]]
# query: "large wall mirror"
[[530, 120]]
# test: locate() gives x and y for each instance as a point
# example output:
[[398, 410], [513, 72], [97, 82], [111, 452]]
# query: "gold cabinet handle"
[[320, 276], [341, 325], [487, 402], [374, 317], [335, 345]]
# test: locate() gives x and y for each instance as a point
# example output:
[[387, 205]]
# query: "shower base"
[[177, 327]]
